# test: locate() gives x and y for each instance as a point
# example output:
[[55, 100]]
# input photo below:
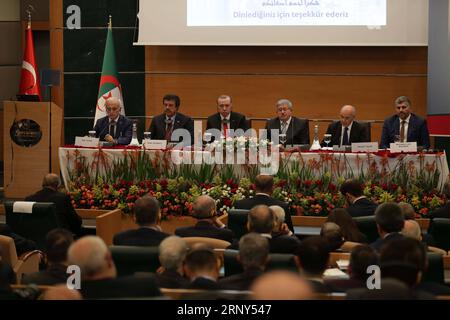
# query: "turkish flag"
[[29, 78]]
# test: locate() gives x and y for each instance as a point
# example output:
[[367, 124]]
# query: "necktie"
[[345, 141], [112, 129], [402, 131], [283, 127], [225, 129], [168, 135]]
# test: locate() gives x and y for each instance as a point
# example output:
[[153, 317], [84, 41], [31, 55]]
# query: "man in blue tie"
[[114, 127]]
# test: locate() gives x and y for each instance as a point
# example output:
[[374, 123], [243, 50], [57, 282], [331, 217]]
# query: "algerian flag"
[[109, 81]]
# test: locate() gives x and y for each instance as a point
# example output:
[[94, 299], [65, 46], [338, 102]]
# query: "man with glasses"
[[405, 126], [114, 127]]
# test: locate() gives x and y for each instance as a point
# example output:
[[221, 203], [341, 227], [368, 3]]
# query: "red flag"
[[29, 78]]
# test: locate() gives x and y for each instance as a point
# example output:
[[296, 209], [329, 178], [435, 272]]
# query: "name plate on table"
[[364, 146], [86, 142], [398, 147], [155, 144]]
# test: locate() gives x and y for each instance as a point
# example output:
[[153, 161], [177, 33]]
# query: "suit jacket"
[[241, 281], [249, 203], [22, 244], [237, 121], [358, 133], [124, 287], [124, 129], [362, 207], [158, 126], [417, 131], [171, 279], [201, 283], [139, 237], [443, 212], [284, 244], [54, 274], [67, 215], [206, 229], [380, 241], [297, 132]]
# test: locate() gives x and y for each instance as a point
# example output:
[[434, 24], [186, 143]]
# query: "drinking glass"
[[91, 133], [327, 139]]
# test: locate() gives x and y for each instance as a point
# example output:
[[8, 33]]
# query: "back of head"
[[278, 214], [403, 259], [411, 229], [146, 211], [353, 187], [281, 285], [93, 258], [389, 217], [264, 183], [407, 210], [51, 180], [343, 219], [253, 251], [313, 255], [57, 242], [61, 292], [362, 257], [172, 252], [332, 233], [204, 207], [260, 219], [200, 260]]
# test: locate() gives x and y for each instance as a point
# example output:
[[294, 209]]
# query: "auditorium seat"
[[435, 270], [131, 259], [440, 231], [368, 227], [237, 222]]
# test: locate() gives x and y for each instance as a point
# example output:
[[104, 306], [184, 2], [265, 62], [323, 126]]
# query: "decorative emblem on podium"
[[26, 132]]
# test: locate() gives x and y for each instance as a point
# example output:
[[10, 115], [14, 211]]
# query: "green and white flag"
[[109, 81]]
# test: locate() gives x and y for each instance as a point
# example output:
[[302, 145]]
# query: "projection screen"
[[283, 22]]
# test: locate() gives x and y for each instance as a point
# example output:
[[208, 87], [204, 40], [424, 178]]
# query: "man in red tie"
[[225, 119]]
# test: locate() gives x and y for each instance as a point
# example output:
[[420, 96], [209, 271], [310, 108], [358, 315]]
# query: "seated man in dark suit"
[[164, 125], [312, 261], [390, 221], [358, 204], [295, 129], [147, 215], [225, 119], [202, 268], [99, 275], [404, 126], [443, 212], [208, 224], [114, 127], [67, 215], [57, 243], [22, 244], [253, 256], [347, 130], [263, 192], [172, 252]]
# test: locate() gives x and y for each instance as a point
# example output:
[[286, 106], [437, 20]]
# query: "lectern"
[[32, 134]]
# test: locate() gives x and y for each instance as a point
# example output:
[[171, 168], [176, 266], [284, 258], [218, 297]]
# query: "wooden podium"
[[31, 130]]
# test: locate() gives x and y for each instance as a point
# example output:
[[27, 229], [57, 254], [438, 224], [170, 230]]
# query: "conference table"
[[337, 165]]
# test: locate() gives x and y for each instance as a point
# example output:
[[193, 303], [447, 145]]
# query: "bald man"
[[281, 285], [347, 130], [114, 127]]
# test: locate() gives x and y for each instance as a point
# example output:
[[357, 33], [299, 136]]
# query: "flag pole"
[[110, 22]]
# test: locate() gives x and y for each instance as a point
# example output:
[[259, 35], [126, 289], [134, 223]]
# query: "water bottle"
[[134, 139], [316, 143]]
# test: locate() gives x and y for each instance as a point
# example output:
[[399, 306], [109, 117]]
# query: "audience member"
[[208, 224], [390, 221], [349, 229], [67, 216], [201, 266], [165, 124], [312, 260], [407, 210], [172, 252], [358, 204], [253, 256], [332, 233], [263, 195], [404, 126], [57, 242], [347, 130], [225, 119], [99, 275], [22, 244], [280, 227], [147, 215], [295, 129], [281, 285], [114, 127]]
